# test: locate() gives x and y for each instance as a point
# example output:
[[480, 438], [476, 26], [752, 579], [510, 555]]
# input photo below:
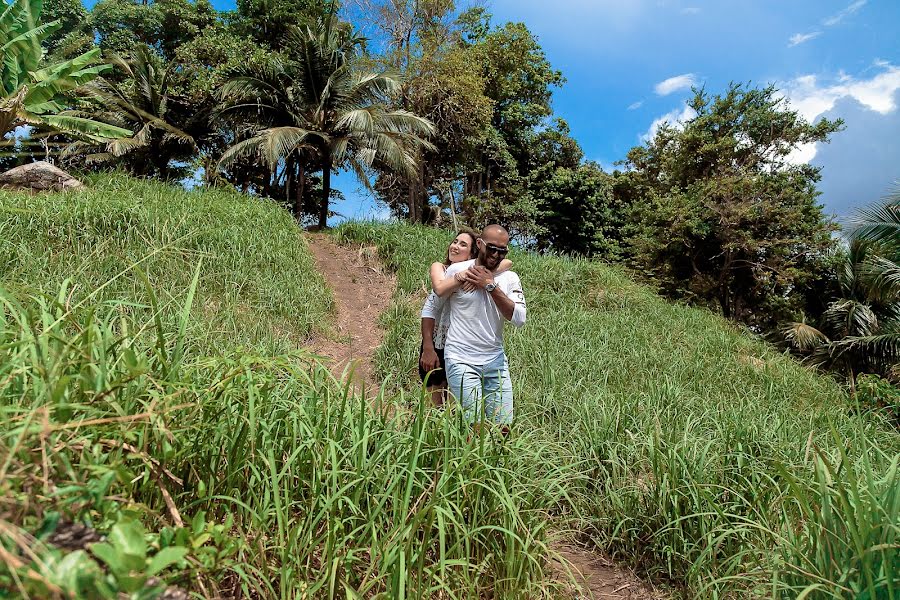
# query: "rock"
[[38, 176], [73, 536]]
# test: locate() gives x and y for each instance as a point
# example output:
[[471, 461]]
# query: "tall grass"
[[705, 457], [258, 286], [328, 494], [135, 400]]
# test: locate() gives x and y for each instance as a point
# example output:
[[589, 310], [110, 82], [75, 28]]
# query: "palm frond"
[[803, 337], [850, 318], [270, 145], [95, 129], [879, 223]]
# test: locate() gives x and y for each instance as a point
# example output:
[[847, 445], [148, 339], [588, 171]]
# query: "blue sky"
[[630, 63]]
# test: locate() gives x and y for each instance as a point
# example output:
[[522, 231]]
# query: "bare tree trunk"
[[288, 180], [423, 193], [300, 190], [326, 192], [411, 203], [452, 207]]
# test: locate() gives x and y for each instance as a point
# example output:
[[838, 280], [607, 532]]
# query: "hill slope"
[[175, 415], [699, 448], [258, 284]]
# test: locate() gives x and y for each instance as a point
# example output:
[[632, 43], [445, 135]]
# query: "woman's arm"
[[429, 359], [442, 285]]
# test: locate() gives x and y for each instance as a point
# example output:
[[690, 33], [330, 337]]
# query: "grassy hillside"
[[257, 281], [701, 454], [153, 390], [172, 413]]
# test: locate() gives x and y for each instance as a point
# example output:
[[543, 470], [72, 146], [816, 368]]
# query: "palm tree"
[[315, 109], [860, 331], [140, 107], [35, 95]]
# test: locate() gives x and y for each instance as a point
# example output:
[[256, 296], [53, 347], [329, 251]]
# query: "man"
[[477, 369]]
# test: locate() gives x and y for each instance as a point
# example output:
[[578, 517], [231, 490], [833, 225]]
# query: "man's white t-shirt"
[[475, 335]]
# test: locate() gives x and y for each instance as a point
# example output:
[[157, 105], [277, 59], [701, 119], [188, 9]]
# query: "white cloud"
[[676, 117], [840, 16], [799, 38], [673, 84], [636, 105], [802, 154], [812, 100], [690, 10]]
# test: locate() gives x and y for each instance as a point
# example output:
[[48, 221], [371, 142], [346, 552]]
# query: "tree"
[[163, 25], [75, 34], [859, 332], [314, 108], [140, 106], [32, 93], [269, 22], [728, 219]]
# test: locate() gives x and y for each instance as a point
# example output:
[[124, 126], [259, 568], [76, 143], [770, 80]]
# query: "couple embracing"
[[474, 293]]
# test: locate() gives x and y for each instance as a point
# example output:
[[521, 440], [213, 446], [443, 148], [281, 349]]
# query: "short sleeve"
[[434, 306]]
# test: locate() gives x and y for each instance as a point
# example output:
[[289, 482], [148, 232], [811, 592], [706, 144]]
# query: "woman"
[[436, 321]]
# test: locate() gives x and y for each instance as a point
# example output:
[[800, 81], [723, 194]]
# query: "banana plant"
[[36, 94]]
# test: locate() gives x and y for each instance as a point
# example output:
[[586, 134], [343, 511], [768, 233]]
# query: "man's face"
[[492, 248]]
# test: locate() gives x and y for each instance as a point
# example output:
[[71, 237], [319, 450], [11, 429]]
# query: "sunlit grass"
[[258, 285], [329, 494], [150, 369]]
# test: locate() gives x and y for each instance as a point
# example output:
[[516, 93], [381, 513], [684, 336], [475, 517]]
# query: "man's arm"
[[511, 305]]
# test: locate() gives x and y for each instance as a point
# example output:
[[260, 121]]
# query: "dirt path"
[[362, 291], [598, 578]]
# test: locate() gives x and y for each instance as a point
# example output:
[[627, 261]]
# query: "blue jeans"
[[486, 388]]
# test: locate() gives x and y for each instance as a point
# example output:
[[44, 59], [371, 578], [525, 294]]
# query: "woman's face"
[[460, 248]]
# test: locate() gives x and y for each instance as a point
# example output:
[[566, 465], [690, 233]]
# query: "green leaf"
[[164, 558], [106, 553], [128, 538], [74, 570]]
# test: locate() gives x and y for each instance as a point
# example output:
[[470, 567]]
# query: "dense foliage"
[[728, 219]]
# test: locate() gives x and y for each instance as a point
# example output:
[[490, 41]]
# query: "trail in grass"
[[362, 291]]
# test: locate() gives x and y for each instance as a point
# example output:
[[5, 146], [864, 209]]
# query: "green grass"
[[150, 389], [706, 458], [258, 285]]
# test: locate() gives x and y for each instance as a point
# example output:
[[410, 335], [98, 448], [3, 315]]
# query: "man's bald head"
[[496, 234]]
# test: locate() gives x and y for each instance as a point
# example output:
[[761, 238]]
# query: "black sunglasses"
[[492, 249]]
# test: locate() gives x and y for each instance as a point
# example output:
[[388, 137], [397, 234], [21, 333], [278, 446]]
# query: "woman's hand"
[[429, 361], [465, 284]]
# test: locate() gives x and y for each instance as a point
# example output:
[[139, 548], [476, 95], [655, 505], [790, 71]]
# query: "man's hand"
[[429, 361], [479, 276]]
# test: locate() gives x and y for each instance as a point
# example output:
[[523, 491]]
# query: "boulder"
[[38, 176]]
